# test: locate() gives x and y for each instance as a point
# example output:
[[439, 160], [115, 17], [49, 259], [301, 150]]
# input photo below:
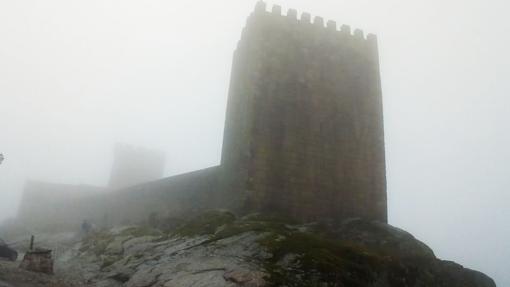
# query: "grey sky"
[[78, 76]]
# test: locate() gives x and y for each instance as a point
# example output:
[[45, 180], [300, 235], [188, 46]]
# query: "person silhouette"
[[86, 227]]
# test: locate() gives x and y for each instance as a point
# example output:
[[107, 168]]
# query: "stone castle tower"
[[304, 124]]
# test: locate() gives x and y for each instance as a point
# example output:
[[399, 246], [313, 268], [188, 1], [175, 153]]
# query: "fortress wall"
[[170, 197], [304, 130], [64, 207], [58, 206]]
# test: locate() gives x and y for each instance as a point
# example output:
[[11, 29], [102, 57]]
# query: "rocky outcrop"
[[13, 276], [216, 249]]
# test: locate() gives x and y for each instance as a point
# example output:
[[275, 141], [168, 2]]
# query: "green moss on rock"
[[139, 231], [205, 224], [96, 242], [319, 262]]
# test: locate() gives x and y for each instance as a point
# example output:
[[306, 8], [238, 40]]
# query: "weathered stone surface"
[[304, 125], [257, 251], [138, 245], [108, 283], [115, 247], [143, 278], [382, 236], [245, 277], [212, 278]]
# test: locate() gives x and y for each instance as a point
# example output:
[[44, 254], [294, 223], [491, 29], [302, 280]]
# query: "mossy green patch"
[[320, 261], [139, 231], [109, 260], [96, 242], [243, 226], [205, 224], [302, 255]]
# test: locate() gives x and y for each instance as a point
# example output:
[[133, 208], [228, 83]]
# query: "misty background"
[[78, 76]]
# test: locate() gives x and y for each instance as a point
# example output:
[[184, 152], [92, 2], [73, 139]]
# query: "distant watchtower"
[[304, 124], [135, 165]]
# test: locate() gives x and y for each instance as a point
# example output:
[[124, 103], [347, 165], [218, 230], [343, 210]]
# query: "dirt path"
[[12, 276]]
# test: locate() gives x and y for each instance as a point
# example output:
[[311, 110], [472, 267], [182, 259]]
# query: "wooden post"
[[32, 242]]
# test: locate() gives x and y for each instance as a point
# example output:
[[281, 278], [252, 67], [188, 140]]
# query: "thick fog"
[[78, 76]]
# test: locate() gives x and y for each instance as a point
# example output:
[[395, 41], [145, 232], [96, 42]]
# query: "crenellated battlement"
[[305, 18]]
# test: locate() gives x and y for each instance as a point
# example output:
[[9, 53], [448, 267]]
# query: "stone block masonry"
[[304, 125]]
